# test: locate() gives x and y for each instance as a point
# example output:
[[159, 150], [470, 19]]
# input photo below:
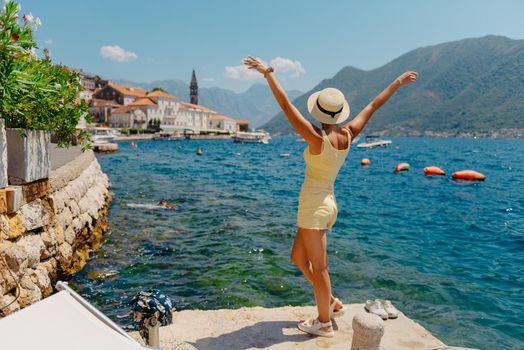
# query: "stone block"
[[50, 266], [28, 157], [3, 155], [15, 257], [70, 235], [3, 201], [34, 215], [57, 202], [16, 227], [75, 209], [33, 247], [8, 279], [40, 277], [4, 227], [14, 198], [8, 304], [65, 218], [65, 255], [29, 292], [35, 190]]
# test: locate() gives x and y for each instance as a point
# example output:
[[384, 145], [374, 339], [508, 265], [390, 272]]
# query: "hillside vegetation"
[[471, 85]]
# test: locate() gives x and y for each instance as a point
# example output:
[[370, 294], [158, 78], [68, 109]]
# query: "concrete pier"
[[104, 147], [275, 328]]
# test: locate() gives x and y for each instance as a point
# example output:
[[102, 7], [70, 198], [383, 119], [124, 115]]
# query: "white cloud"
[[208, 80], [49, 41], [285, 65], [241, 72], [116, 53], [282, 65]]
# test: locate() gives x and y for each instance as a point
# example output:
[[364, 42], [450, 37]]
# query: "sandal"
[[314, 328], [336, 313]]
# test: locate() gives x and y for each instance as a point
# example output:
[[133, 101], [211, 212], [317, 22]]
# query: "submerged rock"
[[167, 204]]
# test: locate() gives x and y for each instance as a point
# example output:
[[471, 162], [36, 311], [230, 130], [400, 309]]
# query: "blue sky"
[[307, 41]]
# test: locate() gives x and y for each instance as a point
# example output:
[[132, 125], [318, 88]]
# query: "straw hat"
[[328, 106]]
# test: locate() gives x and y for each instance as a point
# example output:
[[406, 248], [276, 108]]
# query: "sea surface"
[[449, 254]]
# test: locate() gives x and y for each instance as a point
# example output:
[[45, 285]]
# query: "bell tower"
[[193, 89]]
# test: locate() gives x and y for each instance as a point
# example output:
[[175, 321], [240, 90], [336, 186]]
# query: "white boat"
[[252, 137], [374, 142], [102, 135]]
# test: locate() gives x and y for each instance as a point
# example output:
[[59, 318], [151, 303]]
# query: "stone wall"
[[50, 237]]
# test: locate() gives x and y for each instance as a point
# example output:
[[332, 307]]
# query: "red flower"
[[24, 18], [15, 37]]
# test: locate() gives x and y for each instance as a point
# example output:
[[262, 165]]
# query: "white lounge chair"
[[63, 321]]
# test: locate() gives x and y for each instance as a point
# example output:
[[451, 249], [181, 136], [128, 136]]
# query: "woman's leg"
[[314, 242], [300, 259], [299, 256]]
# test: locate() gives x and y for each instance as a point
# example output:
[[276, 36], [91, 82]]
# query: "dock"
[[275, 328], [104, 147], [208, 137]]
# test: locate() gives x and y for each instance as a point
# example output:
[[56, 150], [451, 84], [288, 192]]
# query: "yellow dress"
[[317, 207]]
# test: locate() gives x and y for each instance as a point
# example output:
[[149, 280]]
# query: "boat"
[[373, 142], [102, 135], [252, 137]]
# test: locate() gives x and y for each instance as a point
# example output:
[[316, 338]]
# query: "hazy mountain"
[[256, 104], [467, 85]]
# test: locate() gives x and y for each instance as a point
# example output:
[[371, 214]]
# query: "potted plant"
[[37, 98]]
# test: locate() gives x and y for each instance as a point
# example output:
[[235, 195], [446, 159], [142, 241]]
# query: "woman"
[[326, 152]]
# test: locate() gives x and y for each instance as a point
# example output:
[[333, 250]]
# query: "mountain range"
[[470, 85], [256, 104]]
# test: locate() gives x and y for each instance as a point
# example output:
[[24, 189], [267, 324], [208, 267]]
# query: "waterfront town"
[[132, 109]]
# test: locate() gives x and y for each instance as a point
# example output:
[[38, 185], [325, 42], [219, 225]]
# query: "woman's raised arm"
[[356, 125], [296, 119]]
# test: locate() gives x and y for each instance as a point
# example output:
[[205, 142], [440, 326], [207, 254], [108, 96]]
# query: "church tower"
[[193, 89]]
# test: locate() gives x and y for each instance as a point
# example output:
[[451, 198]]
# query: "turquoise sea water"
[[450, 255]]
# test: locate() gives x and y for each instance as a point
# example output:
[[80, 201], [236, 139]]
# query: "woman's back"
[[324, 167]]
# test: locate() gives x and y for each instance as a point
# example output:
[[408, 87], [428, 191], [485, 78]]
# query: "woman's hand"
[[254, 63], [407, 78]]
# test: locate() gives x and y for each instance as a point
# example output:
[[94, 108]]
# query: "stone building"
[[222, 123]]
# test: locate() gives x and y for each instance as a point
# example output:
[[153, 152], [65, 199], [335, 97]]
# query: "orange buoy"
[[433, 170], [402, 167], [199, 152], [365, 161], [470, 175]]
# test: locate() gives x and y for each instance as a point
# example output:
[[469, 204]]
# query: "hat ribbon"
[[325, 111]]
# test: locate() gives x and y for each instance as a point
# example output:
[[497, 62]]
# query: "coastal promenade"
[[275, 328]]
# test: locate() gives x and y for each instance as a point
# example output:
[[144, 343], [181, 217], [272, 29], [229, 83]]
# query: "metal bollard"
[[368, 330], [154, 336]]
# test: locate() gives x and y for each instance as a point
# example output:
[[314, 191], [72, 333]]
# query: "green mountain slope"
[[472, 85], [256, 104]]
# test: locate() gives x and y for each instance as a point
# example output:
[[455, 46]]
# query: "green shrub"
[[35, 94]]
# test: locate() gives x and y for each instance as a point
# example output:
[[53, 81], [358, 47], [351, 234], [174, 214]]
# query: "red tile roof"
[[129, 90], [220, 117], [142, 102], [184, 105], [243, 121], [123, 109], [161, 94]]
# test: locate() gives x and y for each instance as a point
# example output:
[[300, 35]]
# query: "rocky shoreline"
[[60, 220]]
